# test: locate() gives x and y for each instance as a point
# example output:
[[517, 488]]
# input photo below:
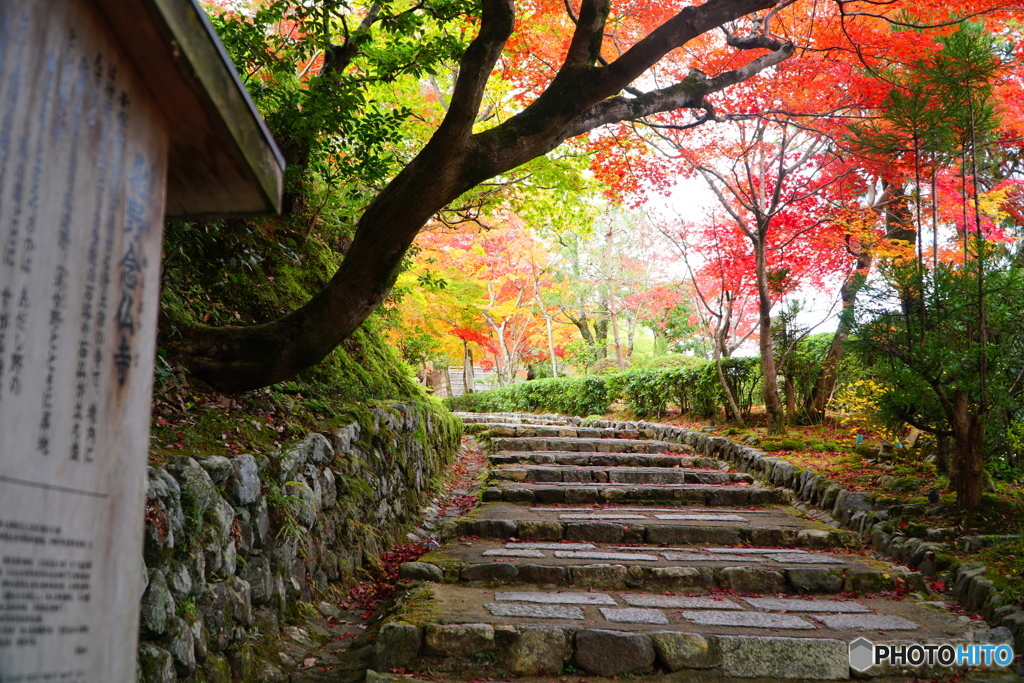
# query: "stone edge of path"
[[533, 649], [855, 511]]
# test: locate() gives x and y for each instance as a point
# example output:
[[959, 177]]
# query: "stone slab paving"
[[576, 444], [551, 546], [605, 553], [512, 429], [544, 598], [679, 601], [617, 474], [595, 459], [647, 567], [651, 510], [534, 611], [799, 605], [746, 619], [867, 622], [702, 517], [633, 615], [615, 492], [685, 558], [774, 527], [443, 603], [516, 418], [513, 552], [594, 555], [602, 515]]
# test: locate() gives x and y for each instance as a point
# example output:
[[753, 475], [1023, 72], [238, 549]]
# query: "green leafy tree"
[[933, 380], [946, 370]]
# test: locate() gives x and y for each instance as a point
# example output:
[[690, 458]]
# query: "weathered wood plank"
[[83, 157]]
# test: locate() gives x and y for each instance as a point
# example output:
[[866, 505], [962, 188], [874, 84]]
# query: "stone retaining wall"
[[235, 546], [926, 550]]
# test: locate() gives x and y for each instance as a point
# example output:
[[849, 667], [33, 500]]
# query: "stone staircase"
[[604, 552]]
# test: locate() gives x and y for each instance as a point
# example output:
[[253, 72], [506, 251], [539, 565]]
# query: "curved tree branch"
[[582, 96]]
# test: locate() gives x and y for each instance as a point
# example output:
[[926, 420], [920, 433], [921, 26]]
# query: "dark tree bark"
[[770, 377], [596, 339], [825, 383], [968, 461], [583, 95]]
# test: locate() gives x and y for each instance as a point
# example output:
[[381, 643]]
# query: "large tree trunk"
[[770, 380], [825, 383], [968, 457], [582, 96]]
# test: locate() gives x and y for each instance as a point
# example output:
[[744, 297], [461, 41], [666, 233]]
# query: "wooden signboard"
[[84, 160]]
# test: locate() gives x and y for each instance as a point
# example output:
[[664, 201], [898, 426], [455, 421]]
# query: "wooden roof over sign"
[[223, 160]]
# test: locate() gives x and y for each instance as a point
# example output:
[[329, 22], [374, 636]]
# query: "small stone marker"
[[633, 615], [807, 558], [866, 622], [550, 546], [512, 552], [590, 555], [555, 598], [747, 620], [114, 115], [702, 518], [534, 611], [794, 605], [679, 602], [700, 557]]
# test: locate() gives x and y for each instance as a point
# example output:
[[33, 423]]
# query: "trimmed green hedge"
[[646, 391], [567, 395], [692, 389]]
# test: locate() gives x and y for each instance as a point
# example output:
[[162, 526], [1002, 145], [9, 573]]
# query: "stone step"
[[617, 475], [630, 525], [617, 567], [602, 459], [517, 418], [586, 494], [491, 430], [572, 444], [465, 630]]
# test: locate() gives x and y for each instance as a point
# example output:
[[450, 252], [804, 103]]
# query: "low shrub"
[[567, 395]]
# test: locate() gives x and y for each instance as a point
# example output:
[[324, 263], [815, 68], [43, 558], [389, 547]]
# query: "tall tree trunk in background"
[[551, 345], [601, 338], [825, 383], [596, 339], [468, 381], [619, 360], [730, 400], [719, 349]]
